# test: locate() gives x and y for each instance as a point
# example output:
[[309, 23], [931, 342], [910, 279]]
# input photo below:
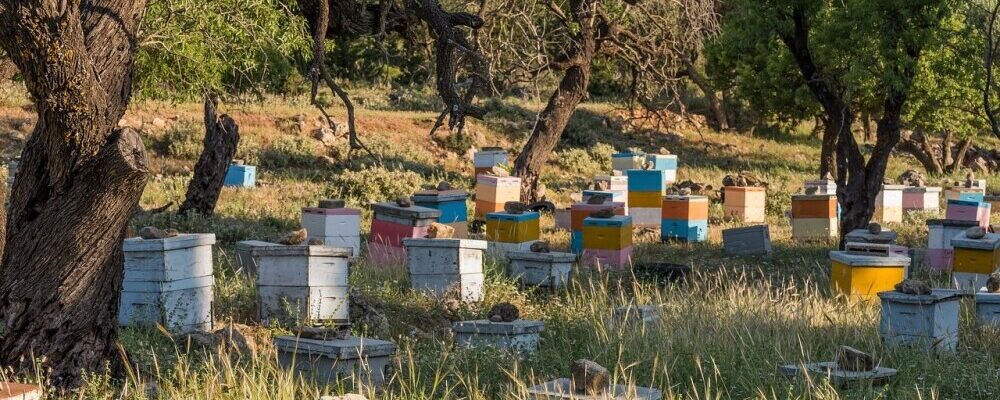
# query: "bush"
[[290, 152]]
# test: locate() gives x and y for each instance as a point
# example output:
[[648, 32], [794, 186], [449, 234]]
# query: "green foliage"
[[454, 142], [289, 152], [182, 140], [589, 162], [375, 183]]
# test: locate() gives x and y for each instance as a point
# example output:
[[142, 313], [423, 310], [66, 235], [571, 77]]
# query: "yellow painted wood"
[[512, 231], [861, 282], [645, 199], [975, 261], [607, 237]]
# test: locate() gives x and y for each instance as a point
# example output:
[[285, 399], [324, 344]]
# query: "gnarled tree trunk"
[[714, 104], [79, 181], [222, 136]]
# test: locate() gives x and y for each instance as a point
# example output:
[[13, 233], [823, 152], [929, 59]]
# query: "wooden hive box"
[[607, 242], [512, 228], [814, 217], [926, 321], [967, 210], [437, 266], [246, 255], [613, 182], [823, 186], [551, 269], [625, 161], [965, 193], [988, 309], [645, 196], [303, 284], [666, 163], [391, 225], [745, 204], [484, 161], [363, 361], [684, 218], [921, 199], [336, 227], [239, 175], [889, 204], [168, 282], [453, 207], [581, 211], [750, 240], [492, 192], [863, 270], [974, 260], [520, 336], [939, 254]]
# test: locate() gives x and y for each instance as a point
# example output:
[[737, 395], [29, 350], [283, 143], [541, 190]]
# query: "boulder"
[[589, 377]]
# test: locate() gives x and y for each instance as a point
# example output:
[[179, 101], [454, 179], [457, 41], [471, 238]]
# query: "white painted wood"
[[331, 362], [541, 269], [297, 303], [929, 321], [181, 306], [299, 283], [521, 336], [469, 286]]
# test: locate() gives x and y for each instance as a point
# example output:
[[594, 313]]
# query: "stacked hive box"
[[607, 242], [889, 204], [168, 282], [484, 161], [863, 270], [886, 237], [645, 196], [939, 250], [551, 269], [492, 192], [965, 193], [246, 255], [362, 361], [240, 175], [622, 162], [974, 260], [929, 321], [392, 224], [684, 218], [617, 185], [814, 216], [988, 309], [512, 232], [519, 336], [921, 199], [336, 227], [822, 186], [747, 240], [452, 205], [665, 163], [580, 211], [745, 204], [438, 266], [303, 284], [968, 210]]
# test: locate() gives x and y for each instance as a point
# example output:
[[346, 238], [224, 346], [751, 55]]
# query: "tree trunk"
[[7, 69], [946, 150], [959, 160], [222, 136], [866, 125], [79, 181], [718, 112], [917, 145], [828, 151]]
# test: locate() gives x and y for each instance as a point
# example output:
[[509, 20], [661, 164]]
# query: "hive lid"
[[486, 326], [414, 212], [952, 223], [445, 243], [891, 260], [626, 154], [542, 257], [988, 298], [923, 189], [616, 220], [182, 241], [611, 178], [597, 207], [969, 203], [491, 150], [503, 216], [821, 182], [494, 180], [662, 156], [338, 349], [989, 242], [936, 296], [690, 197], [746, 229], [863, 235], [331, 211], [434, 196], [893, 187], [814, 196], [280, 250], [745, 188]]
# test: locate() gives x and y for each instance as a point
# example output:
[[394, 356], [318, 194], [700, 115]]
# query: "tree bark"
[[7, 69], [79, 181], [959, 160], [222, 136], [866, 125], [718, 111], [571, 91], [947, 159], [917, 145]]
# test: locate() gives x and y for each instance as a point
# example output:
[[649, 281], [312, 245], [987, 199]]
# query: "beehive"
[[921, 199], [580, 211], [684, 218], [303, 284], [889, 204], [564, 389], [519, 336], [511, 232], [822, 186], [814, 216], [864, 236], [666, 163], [363, 361], [747, 240], [745, 204], [336, 227], [607, 242], [967, 210], [645, 196], [391, 224], [622, 162], [246, 255], [614, 197], [939, 254], [492, 192], [168, 282], [616, 184], [484, 161], [551, 269], [437, 266], [965, 193], [863, 270], [974, 260], [925, 321], [239, 175], [988, 309], [453, 207]]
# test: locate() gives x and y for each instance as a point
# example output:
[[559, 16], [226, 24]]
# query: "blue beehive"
[[576, 241], [645, 180], [240, 175], [451, 203], [686, 230]]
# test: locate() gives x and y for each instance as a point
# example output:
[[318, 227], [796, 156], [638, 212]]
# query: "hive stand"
[[328, 362], [520, 336], [925, 321], [303, 284]]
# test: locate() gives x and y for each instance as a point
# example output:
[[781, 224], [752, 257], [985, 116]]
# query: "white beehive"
[[541, 269], [926, 321], [988, 309], [361, 360], [168, 281], [336, 227], [518, 336], [246, 260], [303, 283], [747, 241], [438, 266]]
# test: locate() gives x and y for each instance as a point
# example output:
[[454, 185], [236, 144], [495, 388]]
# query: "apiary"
[[391, 224], [492, 192], [607, 242], [437, 266], [974, 260], [863, 270], [684, 218], [814, 217], [453, 207], [303, 284], [745, 204], [168, 282]]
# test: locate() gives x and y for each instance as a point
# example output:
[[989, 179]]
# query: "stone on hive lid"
[[515, 207], [294, 238], [440, 231], [504, 312], [989, 241], [993, 283], [913, 287], [152, 232]]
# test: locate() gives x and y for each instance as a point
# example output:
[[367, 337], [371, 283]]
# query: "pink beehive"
[[393, 223]]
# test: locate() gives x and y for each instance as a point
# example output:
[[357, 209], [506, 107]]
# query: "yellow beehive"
[[512, 228], [864, 270], [976, 256], [613, 233]]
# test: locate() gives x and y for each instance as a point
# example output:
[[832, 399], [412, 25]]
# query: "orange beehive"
[[814, 206], [684, 208], [745, 204]]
